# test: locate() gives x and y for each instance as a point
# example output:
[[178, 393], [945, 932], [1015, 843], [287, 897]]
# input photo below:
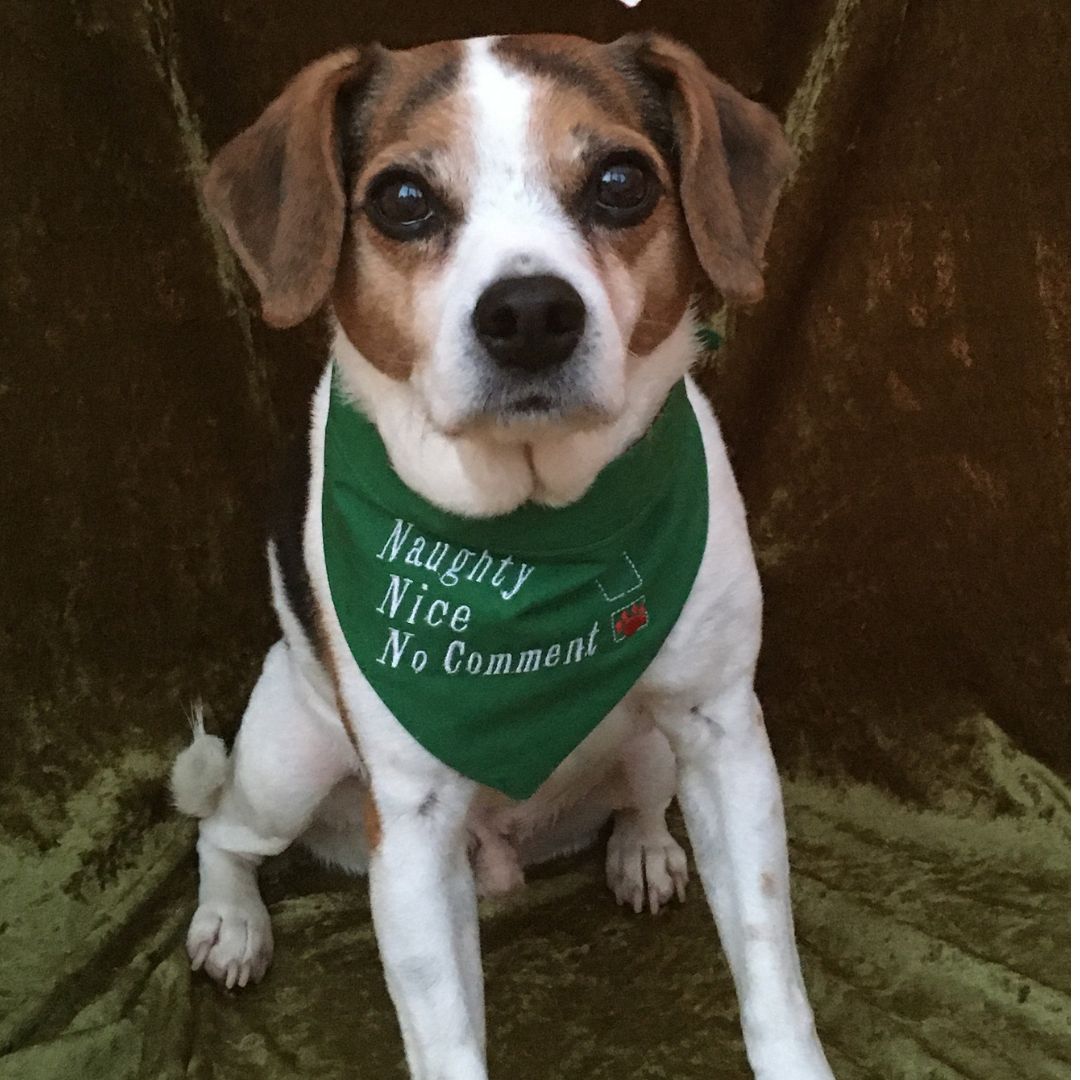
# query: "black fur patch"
[[289, 512], [651, 89], [351, 110]]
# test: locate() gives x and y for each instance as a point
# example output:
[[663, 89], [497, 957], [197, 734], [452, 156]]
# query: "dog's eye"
[[622, 187], [625, 191], [401, 206]]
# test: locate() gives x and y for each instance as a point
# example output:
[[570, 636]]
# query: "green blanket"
[[934, 947]]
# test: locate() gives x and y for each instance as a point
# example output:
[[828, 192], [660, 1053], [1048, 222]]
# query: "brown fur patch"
[[372, 822], [415, 118], [410, 83], [668, 269], [768, 885], [571, 64], [372, 300]]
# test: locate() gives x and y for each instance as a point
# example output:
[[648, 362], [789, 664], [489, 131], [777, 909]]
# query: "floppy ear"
[[277, 190], [733, 158]]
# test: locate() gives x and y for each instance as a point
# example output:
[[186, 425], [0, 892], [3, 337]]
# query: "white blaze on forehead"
[[511, 195], [500, 101]]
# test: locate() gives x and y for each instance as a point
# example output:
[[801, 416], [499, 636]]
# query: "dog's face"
[[508, 225]]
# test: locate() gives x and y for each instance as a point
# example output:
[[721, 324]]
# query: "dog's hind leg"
[[290, 753]]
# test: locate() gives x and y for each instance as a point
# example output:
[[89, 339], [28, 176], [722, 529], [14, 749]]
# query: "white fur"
[[515, 224], [692, 722]]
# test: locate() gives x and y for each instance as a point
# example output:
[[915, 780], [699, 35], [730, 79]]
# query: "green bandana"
[[500, 643]]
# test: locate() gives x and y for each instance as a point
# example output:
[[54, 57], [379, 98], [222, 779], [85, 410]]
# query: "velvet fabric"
[[896, 412]]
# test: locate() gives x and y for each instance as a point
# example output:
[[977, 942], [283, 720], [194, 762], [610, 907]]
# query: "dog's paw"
[[645, 863], [231, 942]]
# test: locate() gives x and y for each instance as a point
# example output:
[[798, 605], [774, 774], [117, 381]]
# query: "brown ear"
[[277, 190], [733, 159]]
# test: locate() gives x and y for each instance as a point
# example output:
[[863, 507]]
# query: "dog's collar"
[[500, 643]]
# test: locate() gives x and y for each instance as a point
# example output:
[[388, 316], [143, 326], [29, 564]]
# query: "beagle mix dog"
[[507, 235]]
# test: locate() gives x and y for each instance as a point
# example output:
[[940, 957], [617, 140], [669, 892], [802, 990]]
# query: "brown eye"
[[624, 191], [401, 206], [622, 187]]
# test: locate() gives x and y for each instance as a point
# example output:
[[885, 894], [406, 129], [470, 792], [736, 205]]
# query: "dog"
[[508, 235]]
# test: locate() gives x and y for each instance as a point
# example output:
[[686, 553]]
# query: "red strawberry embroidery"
[[631, 620]]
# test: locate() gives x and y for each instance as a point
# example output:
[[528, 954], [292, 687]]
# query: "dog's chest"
[[501, 644]]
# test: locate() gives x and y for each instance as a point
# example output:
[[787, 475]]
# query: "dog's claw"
[[645, 865], [200, 956]]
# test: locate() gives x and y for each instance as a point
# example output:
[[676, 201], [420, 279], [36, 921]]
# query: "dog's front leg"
[[423, 902], [729, 792]]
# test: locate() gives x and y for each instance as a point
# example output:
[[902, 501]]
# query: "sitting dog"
[[516, 591]]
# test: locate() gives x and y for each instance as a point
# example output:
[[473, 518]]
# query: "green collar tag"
[[500, 643]]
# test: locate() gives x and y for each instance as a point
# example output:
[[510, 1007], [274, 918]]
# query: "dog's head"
[[507, 225]]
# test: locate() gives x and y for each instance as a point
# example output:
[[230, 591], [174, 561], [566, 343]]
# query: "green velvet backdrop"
[[896, 411]]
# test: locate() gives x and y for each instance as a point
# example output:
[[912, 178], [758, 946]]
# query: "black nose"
[[531, 323]]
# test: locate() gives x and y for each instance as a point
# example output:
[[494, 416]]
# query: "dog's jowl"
[[516, 592]]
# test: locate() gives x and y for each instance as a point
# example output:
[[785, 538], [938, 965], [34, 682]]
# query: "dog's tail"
[[200, 770]]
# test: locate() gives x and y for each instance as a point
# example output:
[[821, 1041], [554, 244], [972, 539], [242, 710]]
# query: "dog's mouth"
[[532, 405], [533, 413], [530, 416]]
